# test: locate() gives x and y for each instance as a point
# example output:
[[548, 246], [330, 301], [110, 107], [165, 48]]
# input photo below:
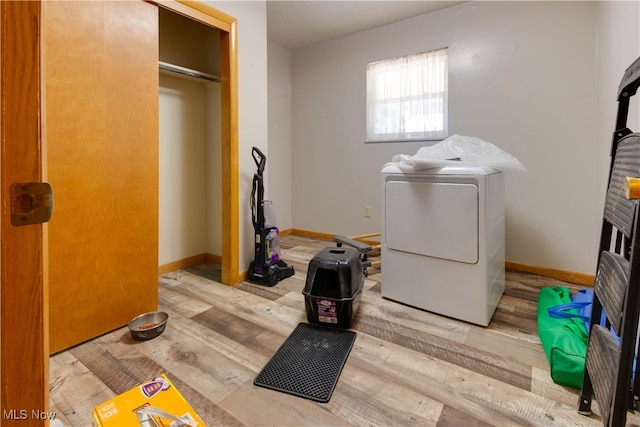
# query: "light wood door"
[[24, 354], [101, 125]]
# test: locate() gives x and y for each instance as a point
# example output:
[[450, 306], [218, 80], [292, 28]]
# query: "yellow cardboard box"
[[155, 403]]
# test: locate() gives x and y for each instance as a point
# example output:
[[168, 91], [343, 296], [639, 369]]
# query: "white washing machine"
[[442, 240]]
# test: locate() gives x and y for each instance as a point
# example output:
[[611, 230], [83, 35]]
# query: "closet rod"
[[187, 72]]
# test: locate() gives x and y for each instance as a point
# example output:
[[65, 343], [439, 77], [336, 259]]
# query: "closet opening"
[[197, 227]]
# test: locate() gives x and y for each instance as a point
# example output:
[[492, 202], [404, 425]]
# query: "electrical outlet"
[[367, 211]]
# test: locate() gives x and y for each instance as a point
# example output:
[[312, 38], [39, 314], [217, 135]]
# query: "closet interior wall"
[[190, 144]]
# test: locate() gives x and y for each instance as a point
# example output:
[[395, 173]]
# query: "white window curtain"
[[407, 97]]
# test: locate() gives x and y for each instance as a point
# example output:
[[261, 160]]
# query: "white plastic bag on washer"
[[457, 150]]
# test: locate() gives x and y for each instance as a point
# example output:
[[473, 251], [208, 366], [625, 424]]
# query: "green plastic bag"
[[564, 340]]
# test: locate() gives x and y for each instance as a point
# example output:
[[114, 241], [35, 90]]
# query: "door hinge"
[[31, 203]]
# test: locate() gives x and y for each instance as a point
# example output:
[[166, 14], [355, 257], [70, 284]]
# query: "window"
[[407, 97]]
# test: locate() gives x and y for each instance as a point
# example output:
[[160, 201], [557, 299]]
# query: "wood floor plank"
[[258, 406], [543, 385], [453, 418], [515, 322], [293, 300], [59, 413], [407, 366], [74, 390], [479, 396], [178, 302], [429, 323], [382, 399], [218, 343], [211, 373], [259, 339], [262, 291], [110, 370], [118, 346], [521, 350], [248, 306], [477, 360]]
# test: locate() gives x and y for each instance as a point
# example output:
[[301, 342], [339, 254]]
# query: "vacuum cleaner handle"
[[259, 158], [257, 196]]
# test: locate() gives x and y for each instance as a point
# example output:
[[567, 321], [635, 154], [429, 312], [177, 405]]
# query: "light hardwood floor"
[[407, 366]]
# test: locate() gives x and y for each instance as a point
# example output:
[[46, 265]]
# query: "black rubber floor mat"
[[308, 364]]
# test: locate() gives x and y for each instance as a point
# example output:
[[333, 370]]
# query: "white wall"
[[618, 34], [182, 210], [213, 172], [319, 93], [279, 156], [252, 103], [189, 219], [523, 75]]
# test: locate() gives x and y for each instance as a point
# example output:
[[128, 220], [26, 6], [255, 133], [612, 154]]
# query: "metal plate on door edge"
[[31, 203]]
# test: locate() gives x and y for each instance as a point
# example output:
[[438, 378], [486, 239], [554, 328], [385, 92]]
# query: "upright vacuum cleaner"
[[266, 268]]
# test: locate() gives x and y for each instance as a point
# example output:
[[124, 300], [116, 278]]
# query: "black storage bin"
[[334, 286]]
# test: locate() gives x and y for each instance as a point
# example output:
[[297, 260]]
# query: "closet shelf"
[[188, 72]]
